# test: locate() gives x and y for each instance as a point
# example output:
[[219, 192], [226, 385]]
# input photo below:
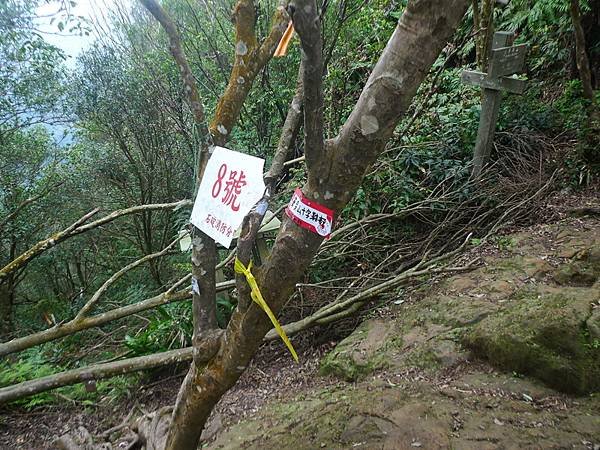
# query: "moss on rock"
[[364, 351], [583, 270], [544, 335]]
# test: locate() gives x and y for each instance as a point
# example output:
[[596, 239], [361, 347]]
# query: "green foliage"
[[225, 308], [170, 326], [436, 146], [360, 42], [571, 105], [135, 143], [594, 344], [565, 114], [504, 242], [546, 26], [31, 73]]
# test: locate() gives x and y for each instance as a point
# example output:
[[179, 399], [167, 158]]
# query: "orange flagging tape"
[[281, 49]]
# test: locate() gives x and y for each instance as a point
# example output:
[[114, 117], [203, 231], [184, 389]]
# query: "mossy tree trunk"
[[483, 25], [583, 63], [8, 286], [591, 138]]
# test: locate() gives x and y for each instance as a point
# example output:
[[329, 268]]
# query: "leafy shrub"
[[170, 326]]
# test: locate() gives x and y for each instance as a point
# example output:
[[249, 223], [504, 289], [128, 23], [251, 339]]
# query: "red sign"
[[310, 215]]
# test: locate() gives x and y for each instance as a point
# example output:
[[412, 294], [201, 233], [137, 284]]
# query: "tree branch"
[[94, 299], [204, 252], [77, 228], [334, 311], [288, 135], [25, 203], [190, 89], [305, 15], [67, 328], [583, 63], [253, 220], [250, 59], [93, 372], [39, 248]]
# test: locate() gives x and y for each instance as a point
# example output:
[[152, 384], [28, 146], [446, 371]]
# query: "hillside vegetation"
[[464, 309]]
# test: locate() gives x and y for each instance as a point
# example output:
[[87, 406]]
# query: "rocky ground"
[[506, 355]]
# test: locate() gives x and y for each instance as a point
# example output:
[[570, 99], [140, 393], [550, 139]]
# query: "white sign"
[[231, 186]]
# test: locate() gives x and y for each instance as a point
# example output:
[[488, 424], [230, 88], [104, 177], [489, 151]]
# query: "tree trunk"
[[94, 372], [583, 63], [334, 175], [7, 297], [483, 24], [591, 138]]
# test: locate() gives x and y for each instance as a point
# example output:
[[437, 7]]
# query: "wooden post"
[[505, 60]]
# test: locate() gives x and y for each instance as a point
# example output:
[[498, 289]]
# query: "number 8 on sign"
[[219, 183]]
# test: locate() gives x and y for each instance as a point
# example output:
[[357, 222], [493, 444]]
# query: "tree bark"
[[335, 174], [289, 133], [6, 309], [483, 24], [583, 63], [83, 323], [591, 138], [93, 372], [250, 58], [80, 227]]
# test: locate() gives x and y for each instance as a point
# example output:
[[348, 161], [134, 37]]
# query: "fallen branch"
[[77, 228], [334, 311], [64, 329], [92, 301], [341, 307], [93, 372], [11, 216], [39, 248], [502, 220]]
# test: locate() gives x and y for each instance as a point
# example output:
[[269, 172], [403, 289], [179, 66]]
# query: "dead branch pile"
[[382, 251]]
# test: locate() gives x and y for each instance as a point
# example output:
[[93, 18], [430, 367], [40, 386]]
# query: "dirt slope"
[[486, 359]]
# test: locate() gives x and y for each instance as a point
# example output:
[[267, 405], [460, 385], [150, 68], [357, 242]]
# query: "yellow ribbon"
[[258, 298]]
